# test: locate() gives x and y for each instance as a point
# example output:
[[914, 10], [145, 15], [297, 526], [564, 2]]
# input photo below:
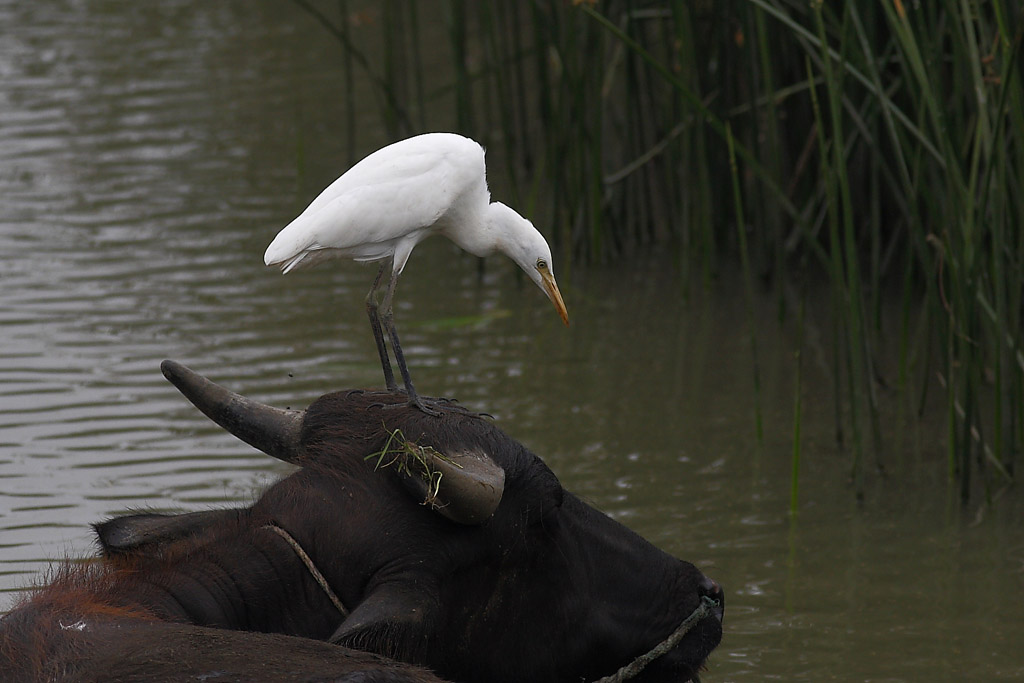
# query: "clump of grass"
[[413, 460]]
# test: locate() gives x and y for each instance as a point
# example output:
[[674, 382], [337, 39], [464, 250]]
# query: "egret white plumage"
[[381, 208]]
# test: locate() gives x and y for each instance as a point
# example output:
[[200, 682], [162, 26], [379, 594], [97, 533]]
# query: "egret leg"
[[378, 334], [388, 321]]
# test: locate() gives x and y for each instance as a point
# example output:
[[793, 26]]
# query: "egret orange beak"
[[551, 289]]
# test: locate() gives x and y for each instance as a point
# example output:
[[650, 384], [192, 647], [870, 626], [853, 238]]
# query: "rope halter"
[[704, 609]]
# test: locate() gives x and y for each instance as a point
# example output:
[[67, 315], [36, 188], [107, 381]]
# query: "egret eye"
[[542, 264]]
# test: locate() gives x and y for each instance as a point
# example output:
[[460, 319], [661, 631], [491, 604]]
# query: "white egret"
[[382, 207]]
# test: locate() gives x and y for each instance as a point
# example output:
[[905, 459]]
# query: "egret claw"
[[417, 402]]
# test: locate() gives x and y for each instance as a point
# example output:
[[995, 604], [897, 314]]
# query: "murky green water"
[[150, 151]]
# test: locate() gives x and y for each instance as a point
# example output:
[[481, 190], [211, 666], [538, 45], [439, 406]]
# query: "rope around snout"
[[704, 609]]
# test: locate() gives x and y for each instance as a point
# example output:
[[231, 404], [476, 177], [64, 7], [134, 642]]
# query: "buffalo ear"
[[391, 621], [464, 486], [147, 534]]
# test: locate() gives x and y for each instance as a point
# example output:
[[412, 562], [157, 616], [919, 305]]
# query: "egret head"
[[524, 244]]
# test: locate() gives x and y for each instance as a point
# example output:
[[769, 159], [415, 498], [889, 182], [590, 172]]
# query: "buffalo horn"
[[271, 430]]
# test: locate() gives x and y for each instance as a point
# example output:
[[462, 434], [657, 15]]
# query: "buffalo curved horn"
[[271, 430]]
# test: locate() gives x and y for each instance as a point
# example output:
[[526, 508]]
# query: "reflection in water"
[[148, 154]]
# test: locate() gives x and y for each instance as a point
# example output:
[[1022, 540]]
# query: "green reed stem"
[[748, 281], [794, 481]]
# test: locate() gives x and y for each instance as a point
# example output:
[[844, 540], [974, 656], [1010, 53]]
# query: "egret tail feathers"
[[285, 263], [292, 263]]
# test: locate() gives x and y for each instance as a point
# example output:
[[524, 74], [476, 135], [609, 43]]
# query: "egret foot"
[[426, 405], [431, 405]]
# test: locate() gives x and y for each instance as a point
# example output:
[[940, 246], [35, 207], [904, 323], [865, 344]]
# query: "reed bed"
[[874, 145]]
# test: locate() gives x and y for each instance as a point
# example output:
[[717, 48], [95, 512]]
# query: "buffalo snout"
[[709, 588]]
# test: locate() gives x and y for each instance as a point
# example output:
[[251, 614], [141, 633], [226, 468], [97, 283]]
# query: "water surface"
[[148, 154]]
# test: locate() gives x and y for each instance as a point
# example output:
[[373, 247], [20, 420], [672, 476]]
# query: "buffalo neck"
[[252, 580]]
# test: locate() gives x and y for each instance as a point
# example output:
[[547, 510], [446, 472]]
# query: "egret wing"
[[381, 201]]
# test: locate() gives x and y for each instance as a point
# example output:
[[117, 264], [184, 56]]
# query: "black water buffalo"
[[434, 541]]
